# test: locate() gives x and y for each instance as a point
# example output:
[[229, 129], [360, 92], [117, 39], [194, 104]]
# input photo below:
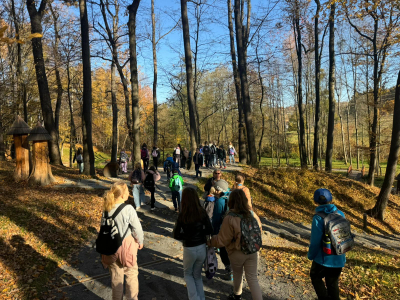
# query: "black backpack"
[[206, 150], [136, 176], [212, 149], [149, 181], [109, 239]]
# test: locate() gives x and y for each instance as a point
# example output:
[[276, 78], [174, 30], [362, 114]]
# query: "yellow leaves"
[[8, 40], [35, 35]]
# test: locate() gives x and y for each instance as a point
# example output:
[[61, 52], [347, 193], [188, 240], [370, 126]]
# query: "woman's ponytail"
[[110, 197]]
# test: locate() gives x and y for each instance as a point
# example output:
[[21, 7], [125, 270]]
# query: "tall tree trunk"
[[348, 134], [317, 59], [355, 111], [342, 131], [331, 116], [20, 84], [153, 40], [302, 144], [242, 137], [88, 154], [41, 77], [114, 145], [2, 146], [261, 106], [57, 71], [380, 207], [114, 47], [241, 50], [189, 76], [133, 8], [72, 135]]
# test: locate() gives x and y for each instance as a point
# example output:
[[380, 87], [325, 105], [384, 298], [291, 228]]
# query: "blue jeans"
[[193, 260], [222, 162], [80, 167], [138, 194], [176, 197], [231, 159], [215, 160]]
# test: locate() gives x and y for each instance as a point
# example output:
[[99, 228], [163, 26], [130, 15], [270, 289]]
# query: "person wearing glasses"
[[213, 180]]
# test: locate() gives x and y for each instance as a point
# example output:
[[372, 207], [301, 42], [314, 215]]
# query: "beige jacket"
[[230, 234], [247, 193]]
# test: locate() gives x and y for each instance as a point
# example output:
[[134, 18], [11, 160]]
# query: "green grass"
[[336, 164]]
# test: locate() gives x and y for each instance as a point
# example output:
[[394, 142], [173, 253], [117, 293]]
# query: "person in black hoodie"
[[198, 162], [192, 227]]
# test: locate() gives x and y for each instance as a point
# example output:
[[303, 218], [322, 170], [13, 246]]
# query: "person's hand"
[[140, 246], [209, 243]]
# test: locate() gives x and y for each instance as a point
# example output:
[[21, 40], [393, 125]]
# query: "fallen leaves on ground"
[[40, 229]]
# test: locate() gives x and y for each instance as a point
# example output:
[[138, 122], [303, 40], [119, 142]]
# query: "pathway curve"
[[160, 261]]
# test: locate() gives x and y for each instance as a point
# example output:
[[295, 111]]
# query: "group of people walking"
[[194, 227], [226, 223]]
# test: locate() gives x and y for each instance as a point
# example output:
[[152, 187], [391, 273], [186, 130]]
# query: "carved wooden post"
[[20, 131], [41, 170]]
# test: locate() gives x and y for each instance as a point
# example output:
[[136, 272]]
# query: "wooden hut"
[[41, 170], [20, 130]]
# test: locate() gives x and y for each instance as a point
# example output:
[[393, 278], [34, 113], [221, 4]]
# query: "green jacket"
[[172, 180]]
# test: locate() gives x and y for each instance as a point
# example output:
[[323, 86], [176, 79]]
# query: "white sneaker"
[[153, 208]]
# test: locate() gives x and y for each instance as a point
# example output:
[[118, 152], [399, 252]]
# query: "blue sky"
[[214, 38]]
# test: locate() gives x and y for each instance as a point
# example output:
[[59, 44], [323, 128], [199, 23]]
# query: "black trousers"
[[189, 163], [152, 197], [155, 162], [328, 290], [207, 160], [224, 257], [197, 168], [145, 164], [183, 162]]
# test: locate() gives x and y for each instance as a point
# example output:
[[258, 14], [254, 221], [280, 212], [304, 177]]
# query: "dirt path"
[[160, 262]]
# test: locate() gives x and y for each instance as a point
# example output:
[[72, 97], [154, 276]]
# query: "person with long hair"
[[124, 261], [79, 159], [239, 184], [136, 178], [192, 228], [229, 237], [144, 155], [149, 183]]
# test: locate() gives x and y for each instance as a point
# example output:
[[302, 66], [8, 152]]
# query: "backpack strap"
[[118, 210], [115, 214], [234, 214]]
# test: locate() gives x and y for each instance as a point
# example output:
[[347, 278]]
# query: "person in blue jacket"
[[220, 209], [175, 166], [324, 265]]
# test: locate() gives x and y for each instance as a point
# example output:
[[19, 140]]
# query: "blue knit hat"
[[322, 196]]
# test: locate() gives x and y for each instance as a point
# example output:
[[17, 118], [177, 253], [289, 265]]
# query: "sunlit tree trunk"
[[380, 207], [189, 76], [302, 144], [88, 154], [331, 116], [114, 144], [154, 44], [134, 80], [41, 77], [242, 137], [241, 50]]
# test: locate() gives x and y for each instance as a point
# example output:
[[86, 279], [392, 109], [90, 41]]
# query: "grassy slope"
[[286, 194]]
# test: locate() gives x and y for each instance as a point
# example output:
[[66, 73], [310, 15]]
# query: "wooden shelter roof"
[[19, 127], [39, 133]]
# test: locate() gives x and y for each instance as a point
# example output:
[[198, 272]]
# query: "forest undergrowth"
[[286, 194]]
